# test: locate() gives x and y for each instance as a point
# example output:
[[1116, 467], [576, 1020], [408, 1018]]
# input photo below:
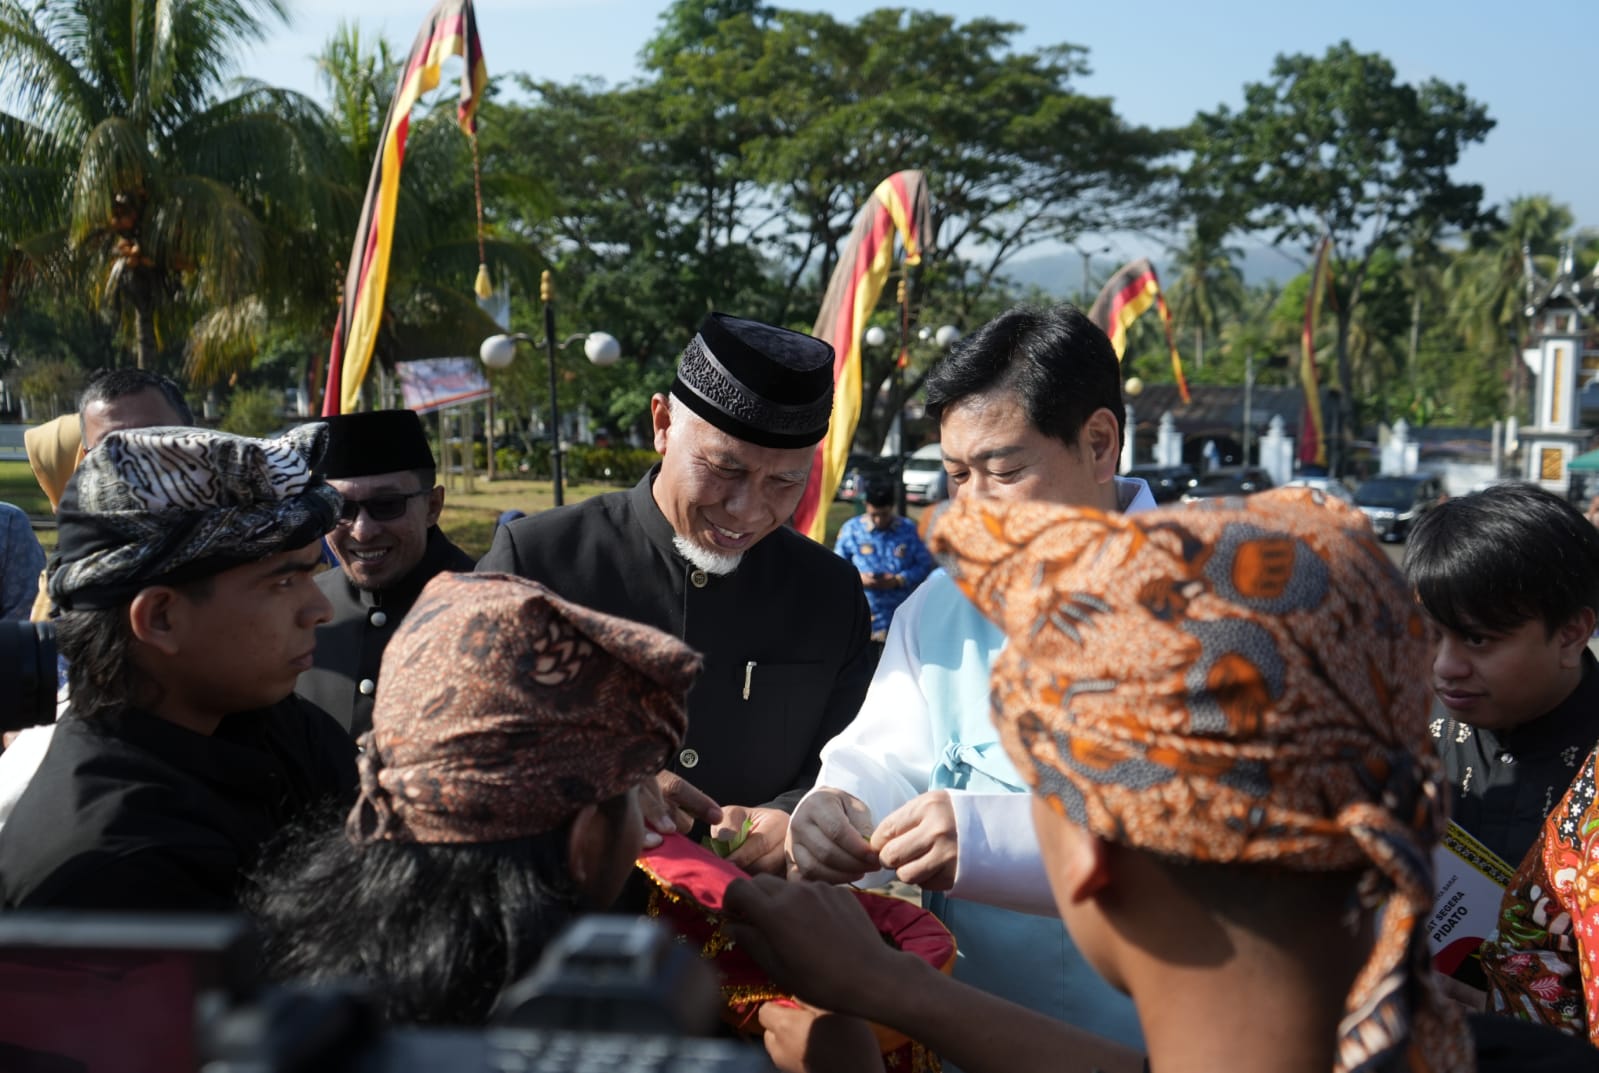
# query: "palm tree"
[[1208, 284], [129, 179], [429, 308], [1487, 283]]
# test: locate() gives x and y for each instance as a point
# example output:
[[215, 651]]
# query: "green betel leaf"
[[726, 847]]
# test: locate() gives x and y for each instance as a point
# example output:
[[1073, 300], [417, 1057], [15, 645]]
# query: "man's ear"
[[1573, 637], [157, 617], [1102, 440], [586, 845], [661, 420], [435, 504], [1091, 868]]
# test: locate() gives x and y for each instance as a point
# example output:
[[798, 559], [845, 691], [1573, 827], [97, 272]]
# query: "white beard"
[[712, 562]]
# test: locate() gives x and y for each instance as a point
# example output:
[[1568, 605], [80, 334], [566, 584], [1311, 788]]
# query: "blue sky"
[[1175, 59]]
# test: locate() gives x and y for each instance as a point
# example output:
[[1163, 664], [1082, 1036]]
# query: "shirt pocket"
[[794, 695]]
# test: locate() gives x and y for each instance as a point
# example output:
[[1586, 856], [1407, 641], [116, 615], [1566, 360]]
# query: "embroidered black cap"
[[768, 386]]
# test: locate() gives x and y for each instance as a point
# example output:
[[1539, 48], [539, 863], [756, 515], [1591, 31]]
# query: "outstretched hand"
[[795, 930], [804, 1039], [918, 840], [761, 848], [671, 803], [827, 838]]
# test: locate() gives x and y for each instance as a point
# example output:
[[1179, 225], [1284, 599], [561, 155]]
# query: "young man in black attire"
[[1509, 580], [187, 611]]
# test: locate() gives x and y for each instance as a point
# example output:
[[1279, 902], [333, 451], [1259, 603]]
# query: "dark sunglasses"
[[382, 508]]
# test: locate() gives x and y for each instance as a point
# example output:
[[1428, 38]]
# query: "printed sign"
[[436, 383], [1470, 881]]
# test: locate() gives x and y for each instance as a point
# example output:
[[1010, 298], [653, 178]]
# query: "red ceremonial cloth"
[[689, 885]]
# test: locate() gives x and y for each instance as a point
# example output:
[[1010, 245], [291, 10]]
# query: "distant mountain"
[[1059, 274]]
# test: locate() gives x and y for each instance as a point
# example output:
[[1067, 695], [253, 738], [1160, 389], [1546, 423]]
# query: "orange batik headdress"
[[1235, 681]]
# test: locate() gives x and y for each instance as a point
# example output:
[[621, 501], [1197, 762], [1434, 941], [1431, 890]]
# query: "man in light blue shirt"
[[918, 787]]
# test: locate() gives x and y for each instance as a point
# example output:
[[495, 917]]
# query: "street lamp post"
[[1249, 392], [547, 297], [1087, 256], [1276, 361], [943, 338], [602, 349]]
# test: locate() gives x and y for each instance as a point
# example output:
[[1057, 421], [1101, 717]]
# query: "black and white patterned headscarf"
[[169, 505]]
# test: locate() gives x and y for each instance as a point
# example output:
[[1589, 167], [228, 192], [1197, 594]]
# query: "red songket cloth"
[[1543, 962], [689, 883]]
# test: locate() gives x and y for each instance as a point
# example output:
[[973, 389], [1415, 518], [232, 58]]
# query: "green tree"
[[1487, 281], [1208, 286], [129, 180], [429, 305], [255, 411], [729, 177], [1338, 146]]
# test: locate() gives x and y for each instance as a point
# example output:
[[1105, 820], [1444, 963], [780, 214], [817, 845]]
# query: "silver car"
[[923, 475]]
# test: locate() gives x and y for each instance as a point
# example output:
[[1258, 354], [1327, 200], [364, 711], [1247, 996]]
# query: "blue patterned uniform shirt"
[[23, 559], [896, 550]]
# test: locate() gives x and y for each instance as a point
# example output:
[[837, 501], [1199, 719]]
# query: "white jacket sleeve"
[[997, 860], [885, 756]]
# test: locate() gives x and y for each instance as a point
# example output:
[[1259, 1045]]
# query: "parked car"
[[923, 475], [1166, 483], [1331, 486], [861, 470], [1394, 503], [1228, 481]]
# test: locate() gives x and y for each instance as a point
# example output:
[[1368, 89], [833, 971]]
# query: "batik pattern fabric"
[[1230, 681], [166, 505], [1543, 962], [505, 709]]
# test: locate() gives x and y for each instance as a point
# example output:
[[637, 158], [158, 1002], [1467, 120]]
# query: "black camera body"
[[162, 994]]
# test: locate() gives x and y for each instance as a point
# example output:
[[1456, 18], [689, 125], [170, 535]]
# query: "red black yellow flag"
[[1127, 296], [450, 30], [899, 206], [1312, 433]]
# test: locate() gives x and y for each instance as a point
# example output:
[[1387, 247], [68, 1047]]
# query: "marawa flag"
[[1312, 433], [1126, 297], [898, 206], [450, 30]]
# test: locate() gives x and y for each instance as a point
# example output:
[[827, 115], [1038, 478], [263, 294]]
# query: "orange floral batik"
[[1237, 681]]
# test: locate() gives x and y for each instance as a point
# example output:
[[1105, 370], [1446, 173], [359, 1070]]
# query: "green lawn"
[[18, 488], [469, 517]]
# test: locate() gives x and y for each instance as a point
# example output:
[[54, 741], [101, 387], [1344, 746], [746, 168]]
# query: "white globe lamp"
[[497, 351], [602, 349]]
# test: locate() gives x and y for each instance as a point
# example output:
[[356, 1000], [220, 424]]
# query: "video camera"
[[27, 674], [166, 994]]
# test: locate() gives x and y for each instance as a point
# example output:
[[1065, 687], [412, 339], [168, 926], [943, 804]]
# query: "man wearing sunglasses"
[[388, 546]]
